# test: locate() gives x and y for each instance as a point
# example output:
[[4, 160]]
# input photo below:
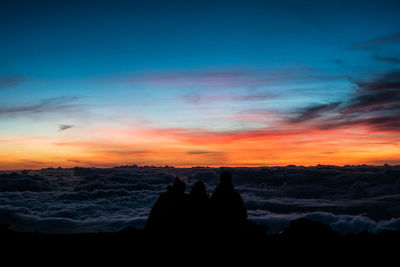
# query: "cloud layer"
[[350, 199]]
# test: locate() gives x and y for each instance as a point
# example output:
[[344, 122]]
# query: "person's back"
[[199, 208], [169, 213], [229, 209]]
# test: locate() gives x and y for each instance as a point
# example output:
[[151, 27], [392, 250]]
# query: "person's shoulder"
[[164, 195], [218, 189], [236, 193]]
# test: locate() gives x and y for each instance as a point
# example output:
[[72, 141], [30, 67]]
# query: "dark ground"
[[303, 241]]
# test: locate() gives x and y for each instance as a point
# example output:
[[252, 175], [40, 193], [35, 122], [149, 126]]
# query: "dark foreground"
[[302, 241]]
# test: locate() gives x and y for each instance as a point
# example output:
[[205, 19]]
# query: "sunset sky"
[[189, 83]]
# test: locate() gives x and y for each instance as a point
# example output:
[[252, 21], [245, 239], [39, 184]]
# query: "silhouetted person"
[[199, 209], [229, 210], [169, 214]]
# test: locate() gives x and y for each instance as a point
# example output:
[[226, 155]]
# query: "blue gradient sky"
[[162, 77]]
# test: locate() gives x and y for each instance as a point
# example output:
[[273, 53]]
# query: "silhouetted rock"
[[306, 229], [4, 228]]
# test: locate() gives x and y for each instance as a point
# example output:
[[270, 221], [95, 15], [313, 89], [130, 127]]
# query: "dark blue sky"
[[201, 66], [65, 39]]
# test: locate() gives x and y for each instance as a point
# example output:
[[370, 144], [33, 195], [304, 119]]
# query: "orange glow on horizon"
[[195, 147]]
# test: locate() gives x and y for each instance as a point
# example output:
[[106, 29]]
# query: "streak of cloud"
[[223, 79], [382, 40], [63, 127], [376, 104], [387, 59], [48, 105], [11, 81], [202, 152], [194, 98]]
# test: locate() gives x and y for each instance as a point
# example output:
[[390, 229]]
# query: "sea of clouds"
[[349, 199]]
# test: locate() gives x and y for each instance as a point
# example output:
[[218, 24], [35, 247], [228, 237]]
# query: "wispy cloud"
[[226, 78], [387, 59], [381, 40], [375, 104], [314, 112], [63, 127], [48, 105], [257, 115], [194, 98], [202, 152], [11, 81]]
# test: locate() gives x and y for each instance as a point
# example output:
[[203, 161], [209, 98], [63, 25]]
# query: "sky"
[[199, 83]]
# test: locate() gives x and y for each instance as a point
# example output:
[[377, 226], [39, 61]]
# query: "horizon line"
[[201, 166]]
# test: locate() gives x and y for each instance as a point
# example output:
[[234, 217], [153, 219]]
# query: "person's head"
[[178, 186], [225, 178], [198, 190]]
